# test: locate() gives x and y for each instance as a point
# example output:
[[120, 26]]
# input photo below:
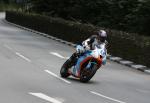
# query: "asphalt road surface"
[[29, 73]]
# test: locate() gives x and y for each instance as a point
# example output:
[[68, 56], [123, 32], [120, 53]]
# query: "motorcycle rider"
[[89, 44]]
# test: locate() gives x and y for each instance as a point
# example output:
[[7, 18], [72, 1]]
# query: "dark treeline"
[[126, 15], [8, 1], [12, 5]]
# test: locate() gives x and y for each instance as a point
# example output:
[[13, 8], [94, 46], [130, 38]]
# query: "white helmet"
[[102, 35]]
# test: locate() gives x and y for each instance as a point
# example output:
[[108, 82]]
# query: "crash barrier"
[[126, 45]]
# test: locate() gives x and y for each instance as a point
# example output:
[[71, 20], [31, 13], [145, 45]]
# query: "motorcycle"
[[86, 65]]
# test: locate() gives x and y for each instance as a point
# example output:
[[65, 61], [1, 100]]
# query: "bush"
[[129, 46], [52, 26], [126, 15]]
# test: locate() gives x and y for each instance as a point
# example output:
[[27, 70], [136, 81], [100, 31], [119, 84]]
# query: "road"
[[29, 73]]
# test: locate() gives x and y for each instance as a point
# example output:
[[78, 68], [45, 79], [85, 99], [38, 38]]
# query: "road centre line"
[[58, 55], [20, 55], [45, 97], [6, 46], [23, 57], [106, 97], [51, 73], [142, 91]]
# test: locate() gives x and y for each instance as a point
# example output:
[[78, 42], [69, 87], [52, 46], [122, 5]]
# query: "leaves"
[[127, 15]]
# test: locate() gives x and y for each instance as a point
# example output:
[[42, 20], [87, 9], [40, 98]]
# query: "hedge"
[[128, 46]]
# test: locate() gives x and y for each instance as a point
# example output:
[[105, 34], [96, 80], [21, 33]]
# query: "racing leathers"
[[88, 44]]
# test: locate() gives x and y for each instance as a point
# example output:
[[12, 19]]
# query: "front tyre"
[[86, 75], [64, 70]]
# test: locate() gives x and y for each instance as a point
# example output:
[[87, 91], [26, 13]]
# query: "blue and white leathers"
[[98, 51]]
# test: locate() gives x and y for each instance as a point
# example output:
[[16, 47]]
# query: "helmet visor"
[[102, 39]]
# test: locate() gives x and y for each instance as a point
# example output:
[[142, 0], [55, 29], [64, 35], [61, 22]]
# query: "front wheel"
[[86, 75], [64, 70]]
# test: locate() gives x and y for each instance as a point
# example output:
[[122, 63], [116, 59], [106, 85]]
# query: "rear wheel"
[[86, 75], [64, 69]]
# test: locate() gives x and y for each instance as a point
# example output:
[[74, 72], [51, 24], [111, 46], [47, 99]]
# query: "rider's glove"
[[80, 49]]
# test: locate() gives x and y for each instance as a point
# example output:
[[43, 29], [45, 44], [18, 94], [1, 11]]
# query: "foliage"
[[9, 5], [127, 15]]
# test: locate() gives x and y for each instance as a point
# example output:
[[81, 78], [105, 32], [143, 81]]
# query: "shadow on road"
[[78, 81]]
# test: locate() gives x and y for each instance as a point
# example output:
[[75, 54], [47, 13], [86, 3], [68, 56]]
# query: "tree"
[[127, 15]]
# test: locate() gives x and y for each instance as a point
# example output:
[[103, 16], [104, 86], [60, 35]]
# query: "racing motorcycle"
[[86, 65]]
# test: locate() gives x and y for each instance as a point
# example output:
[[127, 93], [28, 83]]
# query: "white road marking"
[[45, 97], [58, 55], [142, 91], [67, 57], [51, 73], [109, 98], [6, 46], [147, 71], [23, 57]]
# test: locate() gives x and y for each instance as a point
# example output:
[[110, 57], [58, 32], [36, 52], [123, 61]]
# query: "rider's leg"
[[72, 60]]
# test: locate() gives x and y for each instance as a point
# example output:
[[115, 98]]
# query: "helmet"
[[102, 35]]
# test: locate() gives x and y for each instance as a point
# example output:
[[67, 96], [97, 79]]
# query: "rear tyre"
[[64, 70], [85, 75]]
